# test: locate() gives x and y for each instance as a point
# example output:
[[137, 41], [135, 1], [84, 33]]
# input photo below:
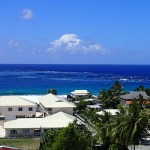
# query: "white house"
[[12, 107], [77, 93], [53, 104], [31, 127]]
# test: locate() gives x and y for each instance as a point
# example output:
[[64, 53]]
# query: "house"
[[112, 112], [53, 104], [33, 127], [12, 107], [127, 99], [78, 93]]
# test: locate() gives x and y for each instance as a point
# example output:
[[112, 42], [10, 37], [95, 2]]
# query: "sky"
[[74, 32]]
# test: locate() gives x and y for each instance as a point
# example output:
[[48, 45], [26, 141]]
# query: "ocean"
[[37, 79]]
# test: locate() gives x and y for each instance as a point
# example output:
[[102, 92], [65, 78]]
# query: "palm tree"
[[129, 125], [138, 118], [140, 88], [133, 125], [110, 98], [116, 88], [52, 91], [103, 130], [118, 125]]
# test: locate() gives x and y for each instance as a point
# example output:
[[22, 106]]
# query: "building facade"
[[13, 107]]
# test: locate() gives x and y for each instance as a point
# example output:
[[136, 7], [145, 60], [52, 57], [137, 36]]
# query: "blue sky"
[[75, 31]]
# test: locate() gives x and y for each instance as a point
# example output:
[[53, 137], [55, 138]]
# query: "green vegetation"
[[124, 129], [111, 132], [74, 137], [81, 105], [28, 143], [142, 88], [48, 139], [110, 98], [52, 91]]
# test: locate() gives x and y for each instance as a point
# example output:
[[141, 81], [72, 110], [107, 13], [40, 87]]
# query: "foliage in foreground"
[[74, 137], [124, 129]]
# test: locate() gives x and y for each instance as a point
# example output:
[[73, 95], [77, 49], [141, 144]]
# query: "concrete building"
[[78, 93], [12, 107], [33, 127], [53, 104]]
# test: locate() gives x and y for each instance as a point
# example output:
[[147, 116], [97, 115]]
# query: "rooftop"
[[58, 120], [15, 101], [51, 101], [135, 95], [80, 92], [33, 98]]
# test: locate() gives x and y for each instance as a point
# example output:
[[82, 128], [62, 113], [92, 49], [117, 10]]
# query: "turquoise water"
[[37, 79]]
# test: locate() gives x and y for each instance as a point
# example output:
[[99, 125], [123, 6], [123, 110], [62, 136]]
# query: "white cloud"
[[67, 40], [72, 44], [13, 43], [26, 14]]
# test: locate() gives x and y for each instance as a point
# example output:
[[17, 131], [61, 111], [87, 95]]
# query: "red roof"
[[129, 102], [2, 147]]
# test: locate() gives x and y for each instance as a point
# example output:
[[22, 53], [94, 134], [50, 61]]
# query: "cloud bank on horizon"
[[67, 44]]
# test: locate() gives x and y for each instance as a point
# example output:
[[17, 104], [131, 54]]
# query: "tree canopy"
[[74, 137], [110, 97], [52, 91], [126, 128]]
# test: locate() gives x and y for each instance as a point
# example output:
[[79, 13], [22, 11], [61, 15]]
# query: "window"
[[30, 109], [25, 130], [20, 109], [13, 132], [21, 116], [50, 109], [37, 132], [10, 109]]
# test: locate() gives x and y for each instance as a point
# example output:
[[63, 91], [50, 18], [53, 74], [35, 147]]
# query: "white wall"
[[66, 110], [15, 112], [20, 132]]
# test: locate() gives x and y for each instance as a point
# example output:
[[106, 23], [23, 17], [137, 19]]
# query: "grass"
[[22, 143]]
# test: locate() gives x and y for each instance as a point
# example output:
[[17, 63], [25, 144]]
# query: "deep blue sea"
[[37, 79]]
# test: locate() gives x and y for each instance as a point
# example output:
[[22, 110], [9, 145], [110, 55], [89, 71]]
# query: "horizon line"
[[70, 64]]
